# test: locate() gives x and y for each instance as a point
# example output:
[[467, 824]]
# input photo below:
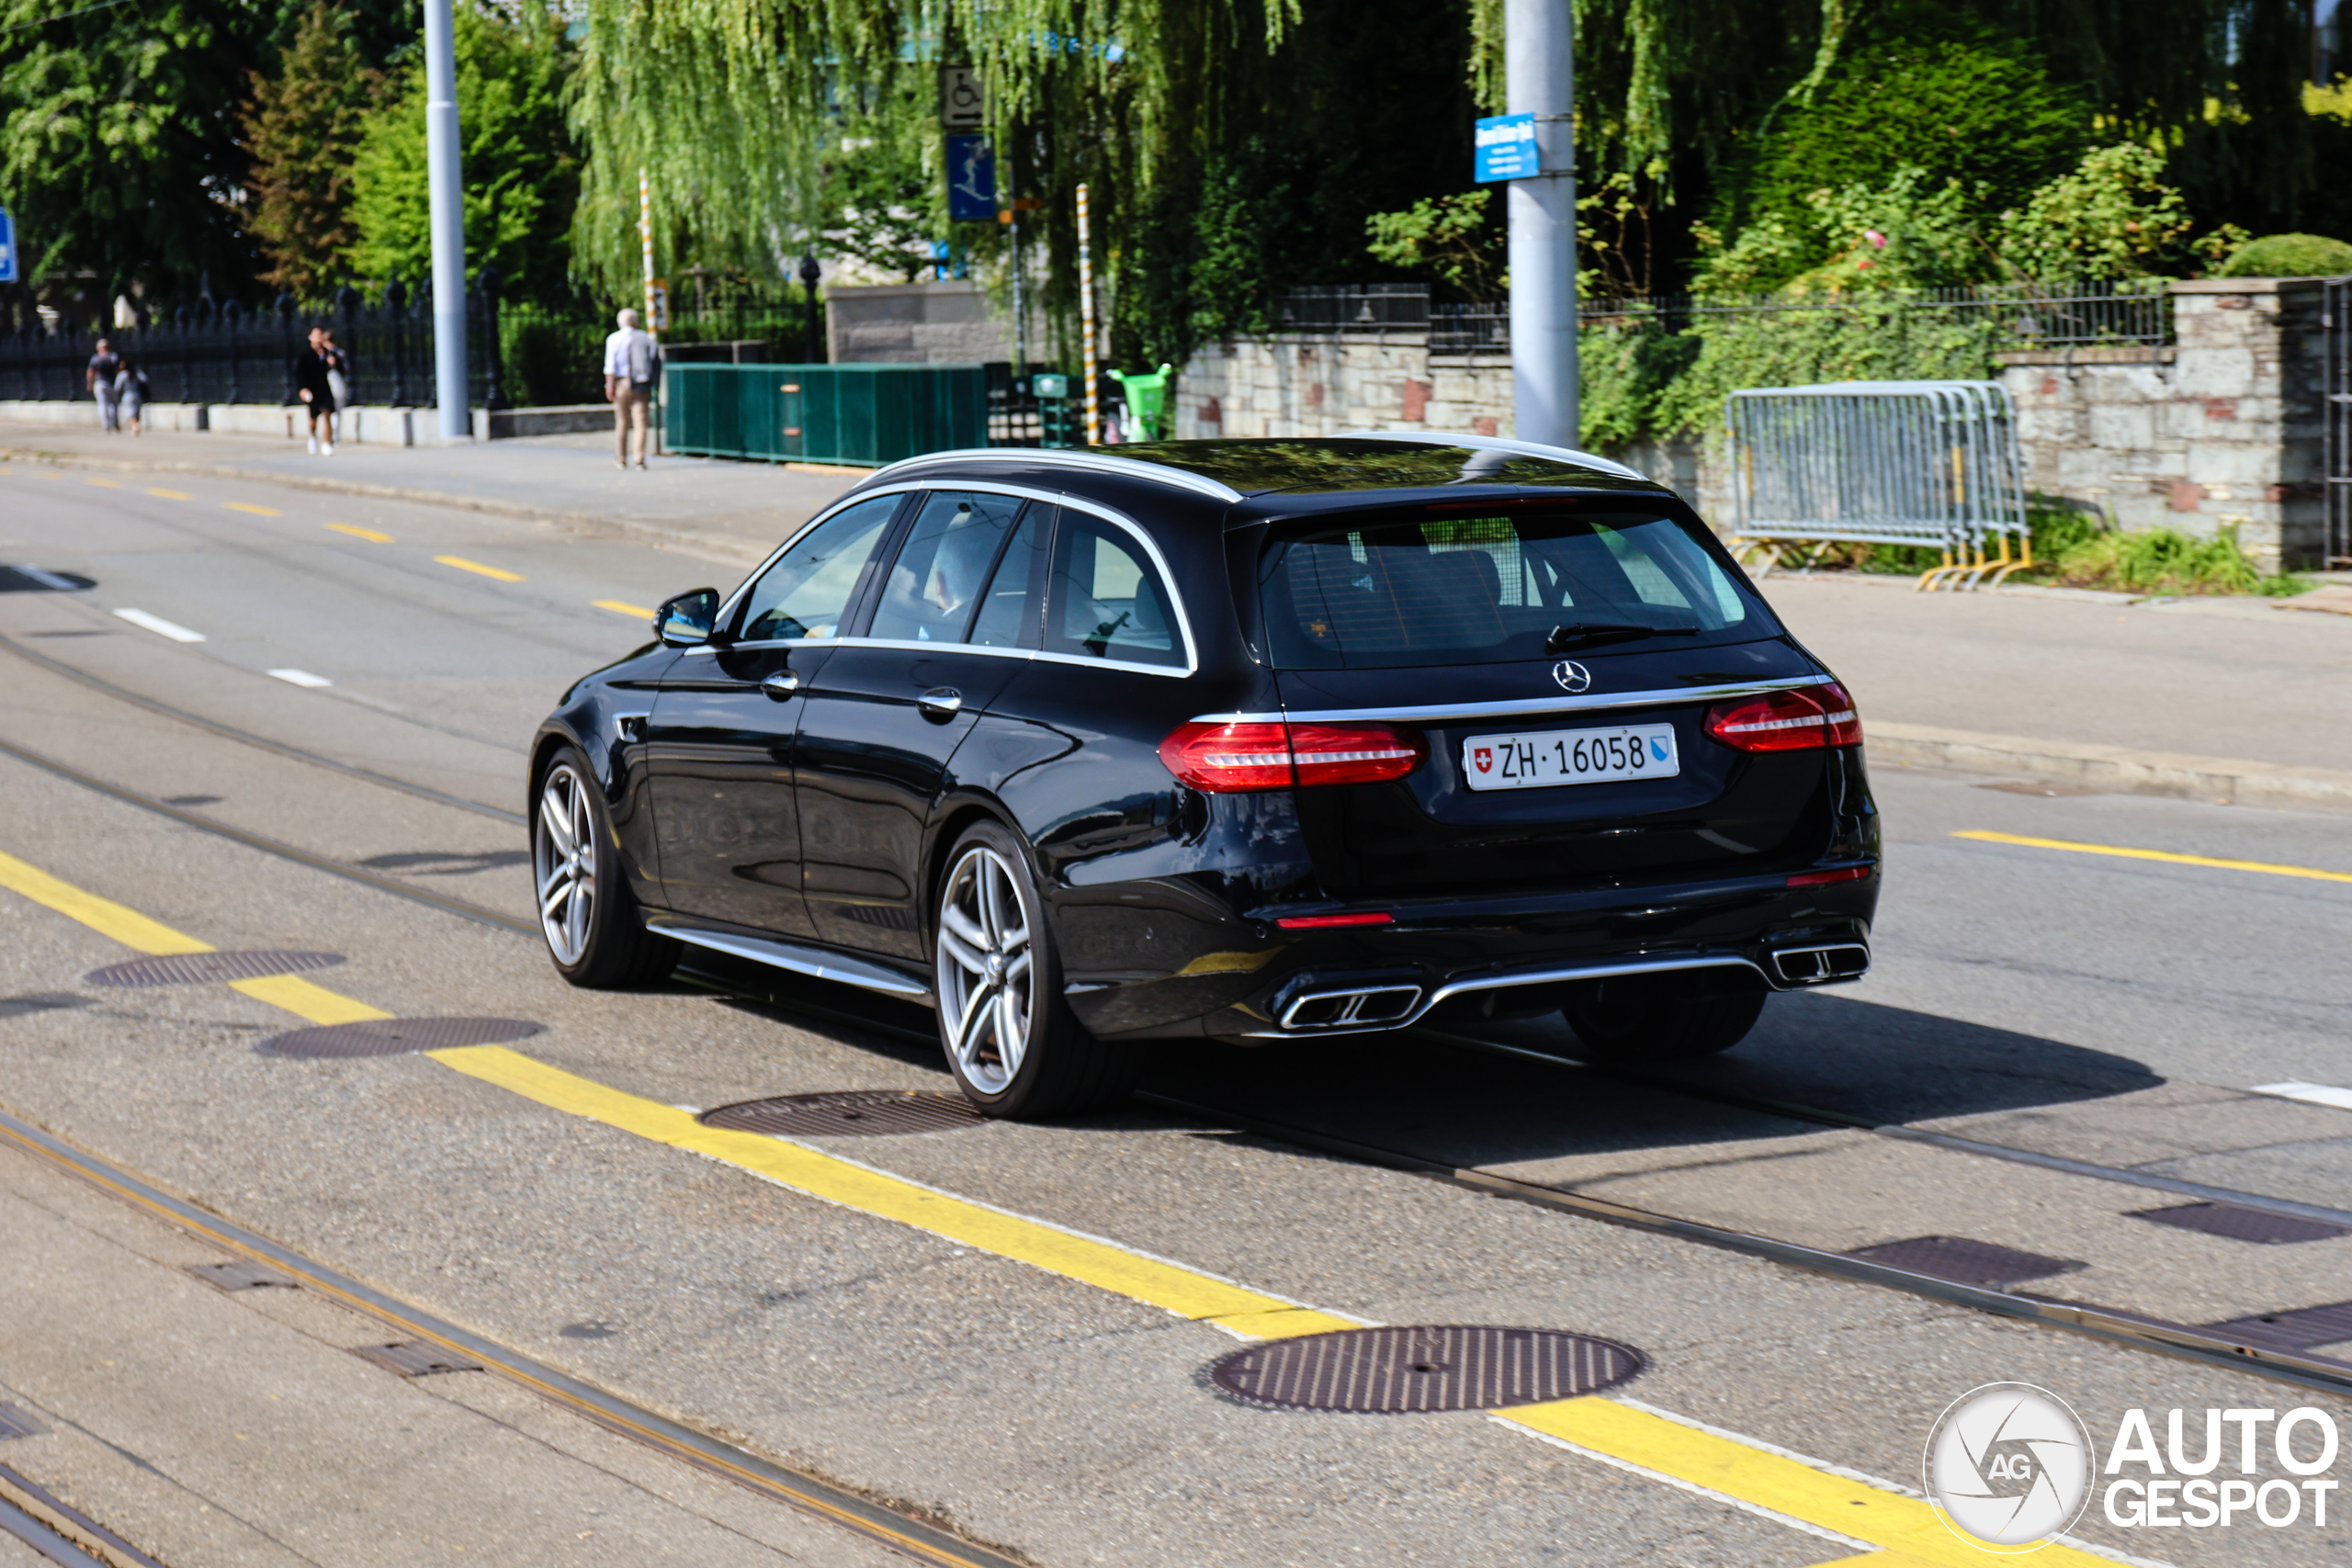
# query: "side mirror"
[[688, 619]]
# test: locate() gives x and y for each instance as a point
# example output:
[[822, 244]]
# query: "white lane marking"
[[301, 677], [2308, 1093], [159, 626]]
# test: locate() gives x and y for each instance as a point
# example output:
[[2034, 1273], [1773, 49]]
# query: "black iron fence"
[[2128, 315], [520, 355]]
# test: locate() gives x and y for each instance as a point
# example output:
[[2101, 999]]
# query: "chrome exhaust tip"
[[1816, 965], [1359, 1007]]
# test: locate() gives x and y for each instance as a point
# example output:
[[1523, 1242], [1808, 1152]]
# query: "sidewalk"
[[736, 512], [2206, 699]]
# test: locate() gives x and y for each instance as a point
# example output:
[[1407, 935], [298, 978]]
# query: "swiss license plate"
[[1543, 758]]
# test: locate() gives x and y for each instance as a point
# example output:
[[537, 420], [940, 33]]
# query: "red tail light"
[[1800, 720], [1223, 757]]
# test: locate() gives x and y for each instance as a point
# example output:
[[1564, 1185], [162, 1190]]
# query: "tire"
[[1011, 1040], [587, 915], [1651, 1020]]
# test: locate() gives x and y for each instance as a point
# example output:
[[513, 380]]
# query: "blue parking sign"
[[7, 247], [1506, 148], [971, 180]]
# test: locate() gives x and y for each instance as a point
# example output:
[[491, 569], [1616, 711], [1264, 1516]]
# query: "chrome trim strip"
[[1505, 979], [1499, 443], [1440, 712], [991, 487], [1063, 457], [816, 961]]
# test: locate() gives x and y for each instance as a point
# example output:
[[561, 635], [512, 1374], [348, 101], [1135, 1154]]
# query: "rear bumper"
[[1502, 955]]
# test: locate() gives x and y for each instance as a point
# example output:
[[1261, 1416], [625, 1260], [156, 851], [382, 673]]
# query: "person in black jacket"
[[317, 390]]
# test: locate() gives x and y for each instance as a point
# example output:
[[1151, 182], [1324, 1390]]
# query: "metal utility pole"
[[1540, 79], [1086, 322], [448, 207]]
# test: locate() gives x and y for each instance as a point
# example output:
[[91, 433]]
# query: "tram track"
[[2117, 1324]]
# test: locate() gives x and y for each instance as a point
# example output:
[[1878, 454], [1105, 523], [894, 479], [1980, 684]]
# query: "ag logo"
[[2009, 1467], [1485, 756], [1573, 677]]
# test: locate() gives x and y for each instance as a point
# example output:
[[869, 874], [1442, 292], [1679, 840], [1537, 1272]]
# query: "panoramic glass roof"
[[1351, 464]]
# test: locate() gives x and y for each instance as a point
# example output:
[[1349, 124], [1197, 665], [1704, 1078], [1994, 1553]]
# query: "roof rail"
[[1497, 444], [1096, 462]]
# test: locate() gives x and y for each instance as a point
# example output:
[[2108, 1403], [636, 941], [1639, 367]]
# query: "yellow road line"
[[172, 494], [105, 917], [2268, 867], [359, 533], [1103, 1264], [249, 507], [313, 1004], [105, 484], [618, 608], [464, 565], [1620, 1433]]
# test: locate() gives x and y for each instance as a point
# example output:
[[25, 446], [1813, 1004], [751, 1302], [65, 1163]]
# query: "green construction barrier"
[[861, 416]]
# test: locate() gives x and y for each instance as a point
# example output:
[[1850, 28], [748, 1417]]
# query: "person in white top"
[[631, 359]]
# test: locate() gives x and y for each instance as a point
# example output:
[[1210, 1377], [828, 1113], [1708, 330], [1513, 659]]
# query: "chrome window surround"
[[1499, 444], [1443, 711], [1094, 462], [1094, 509]]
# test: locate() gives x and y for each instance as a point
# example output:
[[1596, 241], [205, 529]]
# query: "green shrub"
[[2159, 560], [2288, 255]]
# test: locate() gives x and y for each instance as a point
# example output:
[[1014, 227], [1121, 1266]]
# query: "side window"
[[1105, 599], [1009, 609], [935, 584], [812, 586]]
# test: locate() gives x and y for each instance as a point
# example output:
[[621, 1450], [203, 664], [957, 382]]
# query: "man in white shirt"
[[631, 358]]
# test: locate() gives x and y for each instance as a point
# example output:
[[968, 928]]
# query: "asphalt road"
[[2035, 992]]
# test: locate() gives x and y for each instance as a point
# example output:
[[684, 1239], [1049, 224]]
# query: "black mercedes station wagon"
[[1242, 740]]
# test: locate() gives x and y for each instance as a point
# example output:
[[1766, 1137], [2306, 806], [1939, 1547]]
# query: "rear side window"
[[1390, 588], [935, 585], [1106, 599], [813, 585]]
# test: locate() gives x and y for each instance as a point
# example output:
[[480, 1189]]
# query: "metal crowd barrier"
[[1928, 463]]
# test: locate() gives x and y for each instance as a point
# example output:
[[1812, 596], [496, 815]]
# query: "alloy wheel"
[[985, 967], [563, 844]]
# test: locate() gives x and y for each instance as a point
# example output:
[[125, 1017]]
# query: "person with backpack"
[[632, 360], [104, 365], [317, 392], [131, 389]]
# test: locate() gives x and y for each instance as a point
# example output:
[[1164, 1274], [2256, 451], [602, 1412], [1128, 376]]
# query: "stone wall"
[[2222, 431], [921, 323]]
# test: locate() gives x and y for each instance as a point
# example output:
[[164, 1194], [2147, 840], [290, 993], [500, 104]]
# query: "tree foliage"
[[519, 167], [301, 127]]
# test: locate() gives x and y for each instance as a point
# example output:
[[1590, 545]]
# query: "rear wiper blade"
[[1586, 632]]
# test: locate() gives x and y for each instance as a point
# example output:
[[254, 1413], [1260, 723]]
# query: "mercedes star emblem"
[[1573, 677]]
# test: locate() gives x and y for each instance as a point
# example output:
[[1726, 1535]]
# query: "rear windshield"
[[1382, 590]]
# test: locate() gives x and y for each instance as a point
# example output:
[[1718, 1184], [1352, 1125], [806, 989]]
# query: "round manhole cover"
[[847, 1113], [201, 968], [396, 1036], [1385, 1371]]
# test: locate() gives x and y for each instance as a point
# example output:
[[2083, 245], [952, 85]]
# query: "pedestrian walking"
[[131, 389], [104, 366], [317, 392], [631, 361], [338, 382]]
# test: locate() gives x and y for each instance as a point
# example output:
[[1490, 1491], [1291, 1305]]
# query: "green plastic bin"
[[863, 415]]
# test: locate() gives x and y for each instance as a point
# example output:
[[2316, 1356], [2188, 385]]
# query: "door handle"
[[941, 701], [781, 684]]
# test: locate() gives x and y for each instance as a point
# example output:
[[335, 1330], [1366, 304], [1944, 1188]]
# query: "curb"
[[661, 535], [2118, 769]]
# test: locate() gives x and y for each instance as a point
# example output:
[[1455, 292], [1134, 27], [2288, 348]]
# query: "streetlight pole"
[[447, 212], [1540, 79]]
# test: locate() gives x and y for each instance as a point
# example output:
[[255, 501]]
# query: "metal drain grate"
[[2242, 1224], [1967, 1262], [15, 1423], [412, 1360], [2299, 1329], [33, 580], [203, 968], [396, 1036], [1389, 1370], [240, 1275], [847, 1113]]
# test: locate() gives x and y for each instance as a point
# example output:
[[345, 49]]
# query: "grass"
[[2075, 550]]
